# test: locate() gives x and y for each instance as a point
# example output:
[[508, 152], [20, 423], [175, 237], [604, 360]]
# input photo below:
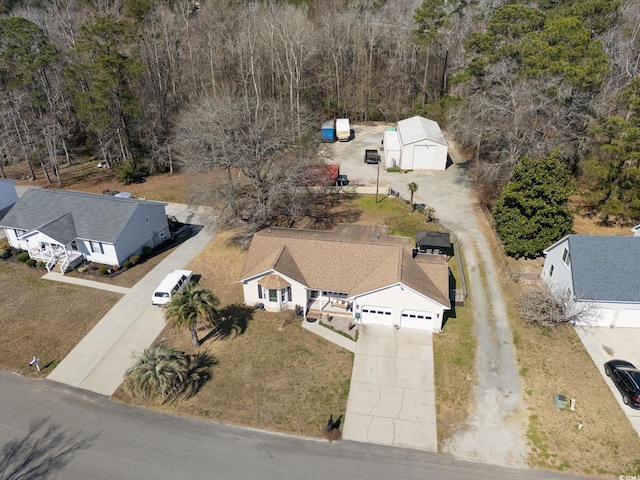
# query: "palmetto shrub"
[[164, 373]]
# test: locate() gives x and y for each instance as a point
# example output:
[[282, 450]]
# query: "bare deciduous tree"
[[540, 305], [255, 153]]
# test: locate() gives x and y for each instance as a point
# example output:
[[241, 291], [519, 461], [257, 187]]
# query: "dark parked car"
[[626, 377]]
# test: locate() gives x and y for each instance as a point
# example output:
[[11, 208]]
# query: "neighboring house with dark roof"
[[357, 270], [8, 196], [600, 271], [417, 144], [67, 227]]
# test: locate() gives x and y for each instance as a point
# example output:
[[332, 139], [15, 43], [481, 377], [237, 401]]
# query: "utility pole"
[[377, 181]]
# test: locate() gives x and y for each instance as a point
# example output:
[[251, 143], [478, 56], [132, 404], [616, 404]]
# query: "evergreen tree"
[[532, 211]]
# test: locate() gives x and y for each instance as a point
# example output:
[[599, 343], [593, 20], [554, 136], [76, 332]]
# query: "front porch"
[[335, 312], [54, 255]]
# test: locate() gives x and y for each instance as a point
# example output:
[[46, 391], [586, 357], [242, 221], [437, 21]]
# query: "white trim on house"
[[98, 228], [348, 264], [604, 289]]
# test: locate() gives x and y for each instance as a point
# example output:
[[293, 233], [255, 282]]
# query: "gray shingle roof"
[[605, 268], [55, 212]]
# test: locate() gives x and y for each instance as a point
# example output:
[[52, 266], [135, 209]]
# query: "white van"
[[172, 283]]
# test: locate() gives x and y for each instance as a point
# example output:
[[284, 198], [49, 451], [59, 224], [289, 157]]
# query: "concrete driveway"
[[99, 361], [392, 395], [604, 344]]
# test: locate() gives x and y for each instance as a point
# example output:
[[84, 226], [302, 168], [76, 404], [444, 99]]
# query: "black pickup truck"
[[371, 156]]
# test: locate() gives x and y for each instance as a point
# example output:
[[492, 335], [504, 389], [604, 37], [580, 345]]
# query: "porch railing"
[[52, 262], [65, 264]]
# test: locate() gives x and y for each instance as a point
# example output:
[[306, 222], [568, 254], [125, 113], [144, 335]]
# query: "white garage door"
[[629, 319], [416, 319], [376, 315], [424, 157]]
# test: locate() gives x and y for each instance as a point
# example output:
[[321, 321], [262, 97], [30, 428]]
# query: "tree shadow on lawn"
[[199, 373], [44, 449], [329, 210], [233, 320]]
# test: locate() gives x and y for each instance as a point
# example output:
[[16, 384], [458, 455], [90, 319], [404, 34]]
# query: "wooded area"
[[233, 85]]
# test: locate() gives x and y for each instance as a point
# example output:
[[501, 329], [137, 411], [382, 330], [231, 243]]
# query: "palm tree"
[[413, 187], [191, 305], [159, 371]]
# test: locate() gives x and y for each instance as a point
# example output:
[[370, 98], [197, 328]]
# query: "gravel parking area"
[[499, 413]]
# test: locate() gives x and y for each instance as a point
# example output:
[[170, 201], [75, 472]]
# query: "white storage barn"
[[422, 144]]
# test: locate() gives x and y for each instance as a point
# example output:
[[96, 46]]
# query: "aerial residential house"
[[417, 144], [636, 231], [68, 227], [8, 196], [600, 272], [358, 270]]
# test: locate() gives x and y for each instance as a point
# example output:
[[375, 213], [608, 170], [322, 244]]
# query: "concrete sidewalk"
[[99, 362], [330, 336], [58, 277], [392, 394]]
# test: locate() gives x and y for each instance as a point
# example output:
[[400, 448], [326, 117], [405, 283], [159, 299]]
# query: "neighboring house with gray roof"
[[8, 196], [420, 145], [600, 271], [357, 270], [68, 227]]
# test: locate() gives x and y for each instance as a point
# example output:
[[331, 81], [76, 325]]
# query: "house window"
[[566, 257], [259, 291], [273, 296], [96, 247], [551, 271], [285, 294]]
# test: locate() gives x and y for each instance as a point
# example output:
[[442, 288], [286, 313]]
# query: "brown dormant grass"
[[44, 318]]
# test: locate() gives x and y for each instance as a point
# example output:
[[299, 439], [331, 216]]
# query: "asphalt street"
[[49, 430]]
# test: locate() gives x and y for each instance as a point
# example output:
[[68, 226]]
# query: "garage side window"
[[259, 291], [551, 271], [566, 257]]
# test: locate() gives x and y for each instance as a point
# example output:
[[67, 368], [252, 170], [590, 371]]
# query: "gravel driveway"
[[495, 432]]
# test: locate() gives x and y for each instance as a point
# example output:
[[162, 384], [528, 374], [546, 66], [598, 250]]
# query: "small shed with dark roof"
[[433, 242]]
